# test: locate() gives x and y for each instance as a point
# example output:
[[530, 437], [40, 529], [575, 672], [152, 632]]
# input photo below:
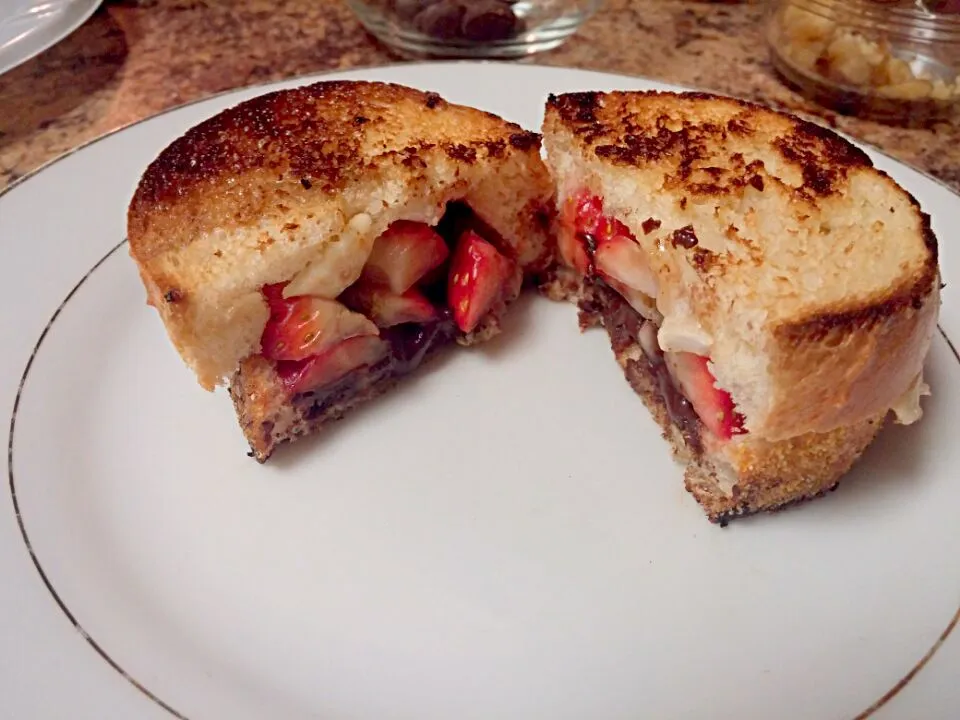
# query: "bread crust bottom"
[[269, 423], [781, 474], [769, 476], [270, 418]]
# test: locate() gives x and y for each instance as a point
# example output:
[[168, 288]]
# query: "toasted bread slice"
[[276, 188], [290, 193], [808, 277]]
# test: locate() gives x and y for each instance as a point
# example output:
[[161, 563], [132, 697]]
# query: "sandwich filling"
[[618, 290], [420, 287]]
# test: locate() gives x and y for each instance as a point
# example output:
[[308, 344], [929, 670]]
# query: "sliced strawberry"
[[619, 257], [274, 297], [571, 251], [640, 302], [302, 326], [332, 364], [477, 275], [588, 211], [713, 405], [404, 253], [387, 309], [590, 241], [572, 226]]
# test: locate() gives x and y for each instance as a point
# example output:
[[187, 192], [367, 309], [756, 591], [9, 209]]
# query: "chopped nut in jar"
[[847, 57]]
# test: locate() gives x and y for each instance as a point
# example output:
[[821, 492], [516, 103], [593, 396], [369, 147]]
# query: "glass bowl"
[[891, 60], [473, 28]]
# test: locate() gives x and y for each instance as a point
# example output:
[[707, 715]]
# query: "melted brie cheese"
[[680, 333], [907, 407]]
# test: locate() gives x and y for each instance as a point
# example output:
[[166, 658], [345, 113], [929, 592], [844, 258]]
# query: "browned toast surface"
[[309, 140], [679, 132], [695, 142]]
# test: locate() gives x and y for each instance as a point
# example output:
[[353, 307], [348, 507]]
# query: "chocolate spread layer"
[[600, 303], [410, 345]]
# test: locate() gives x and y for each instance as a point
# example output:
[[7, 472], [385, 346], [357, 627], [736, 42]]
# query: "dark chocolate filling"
[[410, 345], [623, 324]]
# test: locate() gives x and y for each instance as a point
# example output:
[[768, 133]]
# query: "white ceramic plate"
[[503, 537], [28, 27]]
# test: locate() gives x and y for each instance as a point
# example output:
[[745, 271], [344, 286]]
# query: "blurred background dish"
[[28, 27], [475, 29], [895, 61]]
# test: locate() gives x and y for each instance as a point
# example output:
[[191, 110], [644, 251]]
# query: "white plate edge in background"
[[44, 33]]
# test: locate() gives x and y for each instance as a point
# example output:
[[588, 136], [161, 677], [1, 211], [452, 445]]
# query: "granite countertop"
[[134, 58]]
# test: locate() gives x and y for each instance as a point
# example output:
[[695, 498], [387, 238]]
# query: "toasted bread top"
[[306, 141], [272, 189], [809, 275], [680, 132]]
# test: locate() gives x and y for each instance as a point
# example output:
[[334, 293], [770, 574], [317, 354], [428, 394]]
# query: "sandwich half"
[[768, 293], [310, 247]]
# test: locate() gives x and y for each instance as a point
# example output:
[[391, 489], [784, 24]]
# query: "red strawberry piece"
[[590, 241], [589, 212], [610, 228], [274, 297], [571, 250], [404, 253], [303, 326], [619, 257], [332, 364], [713, 405], [581, 212], [477, 275], [387, 309]]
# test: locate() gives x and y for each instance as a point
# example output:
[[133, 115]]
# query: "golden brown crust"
[[305, 141], [771, 475], [845, 358], [612, 126], [680, 131]]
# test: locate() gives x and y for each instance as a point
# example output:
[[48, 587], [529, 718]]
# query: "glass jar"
[[472, 28], [892, 60]]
